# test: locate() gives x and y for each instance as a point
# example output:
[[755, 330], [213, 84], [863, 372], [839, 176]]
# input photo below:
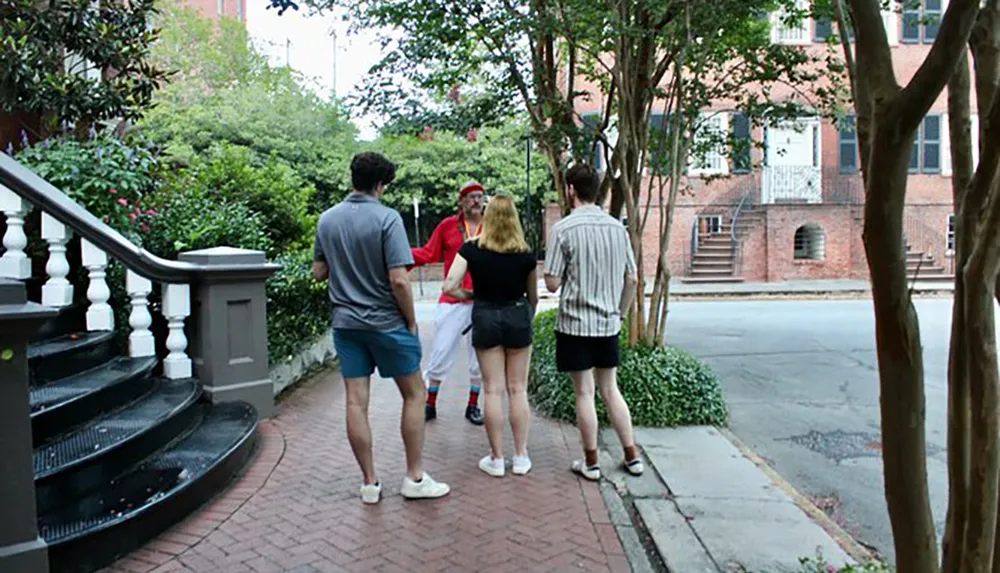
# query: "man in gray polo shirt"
[[361, 250], [590, 256]]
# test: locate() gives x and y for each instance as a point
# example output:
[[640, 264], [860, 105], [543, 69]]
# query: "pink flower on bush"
[[144, 228], [113, 191], [123, 202], [132, 217], [151, 212]]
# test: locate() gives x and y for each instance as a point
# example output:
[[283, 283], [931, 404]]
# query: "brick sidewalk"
[[297, 507]]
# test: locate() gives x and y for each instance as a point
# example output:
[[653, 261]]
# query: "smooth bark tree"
[[895, 115]]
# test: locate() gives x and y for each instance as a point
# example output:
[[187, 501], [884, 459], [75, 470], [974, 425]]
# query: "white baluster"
[[140, 341], [14, 264], [176, 307], [99, 315], [57, 291]]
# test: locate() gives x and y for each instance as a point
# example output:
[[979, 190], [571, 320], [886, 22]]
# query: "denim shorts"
[[395, 353], [501, 324]]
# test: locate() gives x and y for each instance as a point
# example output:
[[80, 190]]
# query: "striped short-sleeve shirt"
[[590, 252]]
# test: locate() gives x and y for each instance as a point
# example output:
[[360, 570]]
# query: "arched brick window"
[[810, 243]]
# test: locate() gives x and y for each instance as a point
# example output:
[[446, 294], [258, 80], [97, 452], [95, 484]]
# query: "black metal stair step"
[[62, 356], [147, 499], [68, 319], [83, 459], [68, 402]]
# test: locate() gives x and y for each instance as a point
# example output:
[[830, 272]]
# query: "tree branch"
[[953, 35]]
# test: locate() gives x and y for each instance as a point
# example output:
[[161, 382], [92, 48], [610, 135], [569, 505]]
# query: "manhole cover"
[[839, 445]]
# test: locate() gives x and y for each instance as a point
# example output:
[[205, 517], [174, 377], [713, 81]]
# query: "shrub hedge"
[[298, 307], [662, 386]]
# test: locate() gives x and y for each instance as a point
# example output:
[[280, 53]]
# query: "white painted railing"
[[57, 291], [791, 184]]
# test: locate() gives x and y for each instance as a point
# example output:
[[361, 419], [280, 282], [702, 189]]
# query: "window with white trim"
[[708, 156], [786, 29], [921, 20]]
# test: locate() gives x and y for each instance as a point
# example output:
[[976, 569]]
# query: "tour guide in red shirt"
[[452, 317]]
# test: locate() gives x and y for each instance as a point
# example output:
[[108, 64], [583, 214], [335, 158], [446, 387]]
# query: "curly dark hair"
[[368, 169], [585, 182]]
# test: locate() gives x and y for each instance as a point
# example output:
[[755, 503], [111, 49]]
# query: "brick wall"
[[210, 8]]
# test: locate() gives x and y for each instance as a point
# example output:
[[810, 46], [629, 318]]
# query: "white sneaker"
[[522, 465], [371, 492], [492, 466], [592, 473], [426, 488], [634, 467]]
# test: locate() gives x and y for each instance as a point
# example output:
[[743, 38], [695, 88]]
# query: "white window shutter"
[[945, 146], [975, 141], [891, 23]]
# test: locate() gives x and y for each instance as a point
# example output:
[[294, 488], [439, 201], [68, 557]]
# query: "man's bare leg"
[[411, 424], [620, 416], [586, 420], [359, 432]]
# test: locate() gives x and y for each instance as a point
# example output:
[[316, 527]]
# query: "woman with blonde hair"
[[504, 272]]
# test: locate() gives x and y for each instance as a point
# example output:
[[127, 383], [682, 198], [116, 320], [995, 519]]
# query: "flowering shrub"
[[109, 177]]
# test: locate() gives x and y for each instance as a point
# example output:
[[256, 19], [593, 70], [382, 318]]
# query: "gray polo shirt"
[[591, 252], [361, 239]]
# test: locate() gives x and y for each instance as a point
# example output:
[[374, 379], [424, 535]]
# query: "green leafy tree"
[[505, 51], [230, 94], [432, 170], [74, 63]]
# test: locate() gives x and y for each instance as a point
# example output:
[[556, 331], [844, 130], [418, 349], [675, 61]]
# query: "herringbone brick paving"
[[297, 508]]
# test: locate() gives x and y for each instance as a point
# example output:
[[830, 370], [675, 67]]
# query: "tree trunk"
[[959, 114], [900, 358]]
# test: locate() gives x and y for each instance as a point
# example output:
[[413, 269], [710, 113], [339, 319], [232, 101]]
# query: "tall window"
[[847, 148], [921, 20], [926, 154]]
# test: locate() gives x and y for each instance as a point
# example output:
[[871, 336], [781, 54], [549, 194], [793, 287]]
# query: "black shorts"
[[579, 353], [501, 324]]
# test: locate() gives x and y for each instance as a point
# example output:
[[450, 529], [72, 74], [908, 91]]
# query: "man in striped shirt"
[[590, 256]]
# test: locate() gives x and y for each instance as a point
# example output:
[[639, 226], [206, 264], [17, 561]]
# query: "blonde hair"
[[502, 232]]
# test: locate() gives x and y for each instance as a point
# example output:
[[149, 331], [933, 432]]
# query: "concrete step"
[[709, 280], [712, 263]]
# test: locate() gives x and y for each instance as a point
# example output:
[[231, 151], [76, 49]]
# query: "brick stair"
[[714, 261], [923, 267]]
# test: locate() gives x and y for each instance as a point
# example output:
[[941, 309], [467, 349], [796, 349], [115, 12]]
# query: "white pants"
[[449, 322]]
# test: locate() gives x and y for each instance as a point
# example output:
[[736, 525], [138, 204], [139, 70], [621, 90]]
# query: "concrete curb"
[[841, 537]]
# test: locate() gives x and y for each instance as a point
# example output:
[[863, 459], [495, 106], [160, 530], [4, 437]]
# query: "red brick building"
[[795, 210], [218, 8]]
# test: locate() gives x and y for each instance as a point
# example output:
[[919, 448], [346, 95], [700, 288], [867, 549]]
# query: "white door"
[[792, 171]]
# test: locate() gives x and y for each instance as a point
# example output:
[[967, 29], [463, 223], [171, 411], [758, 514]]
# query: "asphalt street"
[[801, 381]]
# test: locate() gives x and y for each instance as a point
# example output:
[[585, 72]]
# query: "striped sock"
[[473, 396], [432, 396]]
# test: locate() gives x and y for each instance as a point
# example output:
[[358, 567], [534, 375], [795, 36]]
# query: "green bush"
[[298, 307], [269, 187], [662, 386], [186, 222]]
